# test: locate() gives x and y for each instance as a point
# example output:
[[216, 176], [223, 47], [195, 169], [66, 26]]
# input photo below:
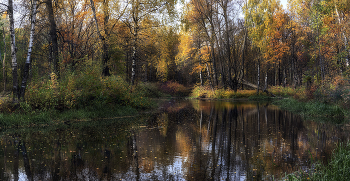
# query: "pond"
[[182, 140]]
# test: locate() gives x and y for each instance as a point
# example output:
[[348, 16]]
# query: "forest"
[[109, 89], [65, 54]]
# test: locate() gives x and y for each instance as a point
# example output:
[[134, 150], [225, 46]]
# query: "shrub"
[[43, 94], [174, 89], [207, 92], [202, 92], [84, 88], [148, 89]]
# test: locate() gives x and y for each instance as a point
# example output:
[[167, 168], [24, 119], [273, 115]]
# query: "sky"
[[284, 3]]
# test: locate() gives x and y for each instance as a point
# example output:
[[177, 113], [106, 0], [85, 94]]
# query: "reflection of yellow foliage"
[[183, 143], [206, 106], [163, 124], [147, 164]]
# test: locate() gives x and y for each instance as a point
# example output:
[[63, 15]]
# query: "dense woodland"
[[218, 43]]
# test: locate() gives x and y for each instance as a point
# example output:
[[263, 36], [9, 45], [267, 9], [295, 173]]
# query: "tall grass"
[[338, 168], [280, 91], [207, 92], [315, 110]]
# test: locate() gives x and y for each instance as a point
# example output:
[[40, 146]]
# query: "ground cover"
[[337, 169]]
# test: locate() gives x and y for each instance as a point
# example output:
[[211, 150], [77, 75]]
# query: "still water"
[[182, 140]]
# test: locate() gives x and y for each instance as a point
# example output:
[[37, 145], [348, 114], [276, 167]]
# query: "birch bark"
[[13, 52], [28, 62]]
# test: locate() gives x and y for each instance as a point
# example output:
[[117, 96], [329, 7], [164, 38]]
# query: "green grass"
[[260, 97], [338, 168], [313, 110], [50, 117]]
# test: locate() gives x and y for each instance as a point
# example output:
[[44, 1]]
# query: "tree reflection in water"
[[187, 140]]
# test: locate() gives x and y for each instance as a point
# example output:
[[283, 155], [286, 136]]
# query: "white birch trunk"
[[28, 62], [13, 52], [345, 38]]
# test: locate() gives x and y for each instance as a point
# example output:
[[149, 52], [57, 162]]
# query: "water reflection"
[[187, 140]]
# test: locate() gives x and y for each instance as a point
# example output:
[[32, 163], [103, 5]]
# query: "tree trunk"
[[228, 48], [284, 77], [53, 37], [212, 44], [133, 58], [200, 73], [258, 76], [265, 87], [344, 35], [4, 60], [13, 53], [209, 77], [105, 56], [28, 62], [243, 54]]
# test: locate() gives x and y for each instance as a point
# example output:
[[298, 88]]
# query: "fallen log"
[[244, 82]]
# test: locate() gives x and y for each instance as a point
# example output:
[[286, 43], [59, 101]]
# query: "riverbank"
[[315, 110], [319, 103], [49, 103], [337, 169], [20, 119]]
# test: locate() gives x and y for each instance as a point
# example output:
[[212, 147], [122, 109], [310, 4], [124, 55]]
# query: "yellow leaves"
[[205, 53], [185, 48], [4, 15], [197, 68], [162, 69]]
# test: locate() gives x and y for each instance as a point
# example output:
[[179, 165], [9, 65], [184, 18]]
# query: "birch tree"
[[13, 52], [28, 61], [140, 11], [4, 59]]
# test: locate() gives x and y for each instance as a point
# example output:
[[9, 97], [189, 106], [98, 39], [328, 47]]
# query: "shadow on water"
[[187, 140]]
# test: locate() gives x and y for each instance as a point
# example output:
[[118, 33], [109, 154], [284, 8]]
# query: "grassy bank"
[[327, 100], [314, 110], [20, 119], [337, 169], [82, 94], [221, 93], [45, 105]]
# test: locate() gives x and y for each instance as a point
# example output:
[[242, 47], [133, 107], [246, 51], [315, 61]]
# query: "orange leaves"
[[277, 46]]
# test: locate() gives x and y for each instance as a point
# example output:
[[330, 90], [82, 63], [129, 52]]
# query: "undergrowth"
[[207, 92], [338, 168]]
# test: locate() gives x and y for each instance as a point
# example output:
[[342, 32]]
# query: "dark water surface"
[[186, 140]]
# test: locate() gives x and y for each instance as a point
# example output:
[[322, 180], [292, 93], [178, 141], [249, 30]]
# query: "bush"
[[202, 92], [43, 94], [84, 88], [174, 89], [148, 89], [207, 92]]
